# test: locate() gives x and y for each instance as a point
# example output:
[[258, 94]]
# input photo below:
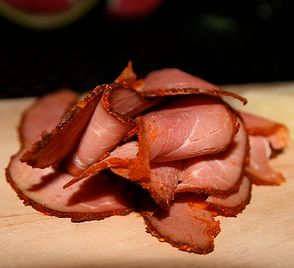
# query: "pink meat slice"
[[108, 126], [50, 119], [172, 81], [217, 174], [162, 182], [258, 168], [233, 204], [48, 150], [277, 133], [186, 225], [191, 126], [97, 198], [174, 78]]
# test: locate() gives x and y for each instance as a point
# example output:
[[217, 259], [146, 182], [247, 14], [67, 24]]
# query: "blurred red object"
[[133, 8]]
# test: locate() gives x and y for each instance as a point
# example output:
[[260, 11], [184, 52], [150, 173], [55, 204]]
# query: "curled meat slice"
[[186, 225], [233, 204], [217, 174], [108, 126], [172, 81], [97, 198], [277, 133], [48, 151], [258, 169], [47, 122], [162, 182]]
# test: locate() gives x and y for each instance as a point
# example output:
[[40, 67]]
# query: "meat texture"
[[185, 225], [96, 198], [167, 146], [217, 174]]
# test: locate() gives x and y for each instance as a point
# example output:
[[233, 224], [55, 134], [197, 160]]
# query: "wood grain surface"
[[262, 236]]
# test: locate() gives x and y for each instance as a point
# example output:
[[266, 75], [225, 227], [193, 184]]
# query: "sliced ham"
[[48, 150], [258, 168], [218, 174], [277, 133], [266, 137], [190, 127], [162, 182], [186, 225], [189, 154], [172, 82], [233, 204], [96, 198], [51, 103]]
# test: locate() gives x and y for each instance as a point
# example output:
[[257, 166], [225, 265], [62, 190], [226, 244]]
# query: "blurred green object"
[[43, 20]]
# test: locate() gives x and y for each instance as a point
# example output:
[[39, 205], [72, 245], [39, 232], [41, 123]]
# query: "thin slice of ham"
[[266, 137], [29, 133], [217, 174], [277, 133], [48, 150], [189, 127], [233, 204], [172, 82], [258, 168], [186, 225], [97, 198]]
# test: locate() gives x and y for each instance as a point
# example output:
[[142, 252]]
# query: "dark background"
[[221, 41]]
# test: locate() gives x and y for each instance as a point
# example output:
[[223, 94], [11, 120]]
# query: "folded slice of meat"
[[216, 174], [108, 126], [56, 145], [51, 103], [162, 182], [192, 126], [277, 133], [266, 137], [233, 204], [97, 198], [172, 81], [258, 169], [186, 225]]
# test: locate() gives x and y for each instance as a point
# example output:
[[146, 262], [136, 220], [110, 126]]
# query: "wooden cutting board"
[[262, 236]]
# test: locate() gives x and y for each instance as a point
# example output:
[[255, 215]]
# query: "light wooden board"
[[262, 236]]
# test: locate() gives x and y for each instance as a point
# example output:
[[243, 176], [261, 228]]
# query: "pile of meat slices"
[[168, 147]]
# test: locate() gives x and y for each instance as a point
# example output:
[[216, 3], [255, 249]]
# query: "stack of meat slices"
[[170, 137]]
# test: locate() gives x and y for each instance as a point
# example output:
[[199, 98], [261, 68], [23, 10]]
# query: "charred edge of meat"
[[34, 104], [139, 167], [160, 92], [97, 167], [127, 76], [109, 108], [89, 102]]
